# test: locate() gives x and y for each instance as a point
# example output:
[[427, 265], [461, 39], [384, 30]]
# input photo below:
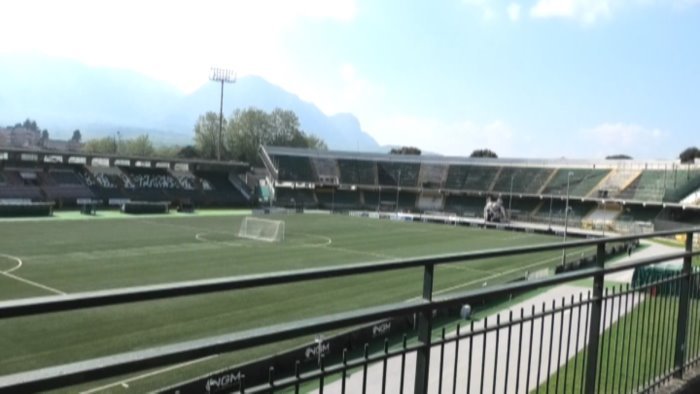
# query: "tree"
[[140, 146], [206, 134], [30, 125], [689, 155], [44, 137], [484, 153], [315, 142], [76, 136], [188, 152], [248, 129], [618, 157], [104, 145], [405, 150], [167, 150]]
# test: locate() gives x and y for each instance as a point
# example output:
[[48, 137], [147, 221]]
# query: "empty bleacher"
[[402, 174], [682, 183], [294, 169], [617, 181], [295, 198], [218, 189], [639, 213], [465, 205], [647, 187], [521, 208], [325, 168], [338, 199], [475, 178], [357, 172], [556, 209], [432, 176], [21, 183], [430, 202], [525, 180], [581, 183], [65, 187]]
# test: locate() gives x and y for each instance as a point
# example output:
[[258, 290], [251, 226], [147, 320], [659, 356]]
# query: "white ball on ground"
[[465, 312]]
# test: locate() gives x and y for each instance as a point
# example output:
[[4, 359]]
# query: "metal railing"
[[481, 356]]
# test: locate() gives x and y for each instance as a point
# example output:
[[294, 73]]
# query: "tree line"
[[245, 130], [242, 133]]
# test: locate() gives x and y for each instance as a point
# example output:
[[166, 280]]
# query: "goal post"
[[262, 229]]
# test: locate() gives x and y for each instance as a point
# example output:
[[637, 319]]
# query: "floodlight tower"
[[566, 216], [224, 76], [398, 187]]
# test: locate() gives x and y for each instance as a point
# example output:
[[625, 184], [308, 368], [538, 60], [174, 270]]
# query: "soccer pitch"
[[54, 256]]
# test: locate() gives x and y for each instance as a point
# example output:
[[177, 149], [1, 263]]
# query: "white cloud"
[[170, 40], [591, 11], [449, 138], [585, 11], [345, 90], [485, 6], [625, 138], [513, 11]]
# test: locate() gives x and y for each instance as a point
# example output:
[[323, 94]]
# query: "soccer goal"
[[262, 229]]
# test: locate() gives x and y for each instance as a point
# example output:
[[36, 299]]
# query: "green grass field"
[[651, 349], [69, 256]]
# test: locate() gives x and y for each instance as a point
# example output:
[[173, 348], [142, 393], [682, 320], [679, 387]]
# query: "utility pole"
[[221, 75]]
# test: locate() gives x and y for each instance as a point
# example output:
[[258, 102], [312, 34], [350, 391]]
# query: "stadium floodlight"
[[398, 187], [510, 197], [566, 215], [221, 75]]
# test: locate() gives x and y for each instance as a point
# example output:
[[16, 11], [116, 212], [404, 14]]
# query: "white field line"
[[15, 258], [497, 275], [459, 268], [146, 375], [363, 252], [8, 273], [328, 241], [35, 284]]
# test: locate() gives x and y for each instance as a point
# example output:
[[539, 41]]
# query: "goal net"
[[262, 229]]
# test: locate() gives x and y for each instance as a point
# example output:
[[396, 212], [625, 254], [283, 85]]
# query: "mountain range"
[[63, 95]]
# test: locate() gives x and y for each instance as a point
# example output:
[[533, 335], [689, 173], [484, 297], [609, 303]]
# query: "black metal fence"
[[608, 339]]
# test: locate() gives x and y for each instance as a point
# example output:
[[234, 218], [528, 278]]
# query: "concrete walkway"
[[572, 337]]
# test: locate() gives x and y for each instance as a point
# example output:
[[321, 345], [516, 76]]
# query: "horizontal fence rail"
[[615, 339]]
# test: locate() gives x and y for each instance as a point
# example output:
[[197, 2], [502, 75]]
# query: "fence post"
[[683, 309], [594, 327], [425, 328]]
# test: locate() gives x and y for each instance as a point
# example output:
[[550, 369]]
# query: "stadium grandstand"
[[67, 179], [612, 194]]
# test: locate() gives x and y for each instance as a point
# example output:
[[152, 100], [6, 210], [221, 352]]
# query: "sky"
[[525, 78]]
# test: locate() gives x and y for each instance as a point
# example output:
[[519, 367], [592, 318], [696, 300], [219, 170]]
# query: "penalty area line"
[[15, 258], [9, 274], [149, 374], [484, 279], [35, 284]]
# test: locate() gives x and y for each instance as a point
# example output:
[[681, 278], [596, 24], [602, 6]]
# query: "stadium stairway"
[[602, 214], [495, 179], [692, 199], [240, 185], [615, 182], [547, 181]]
